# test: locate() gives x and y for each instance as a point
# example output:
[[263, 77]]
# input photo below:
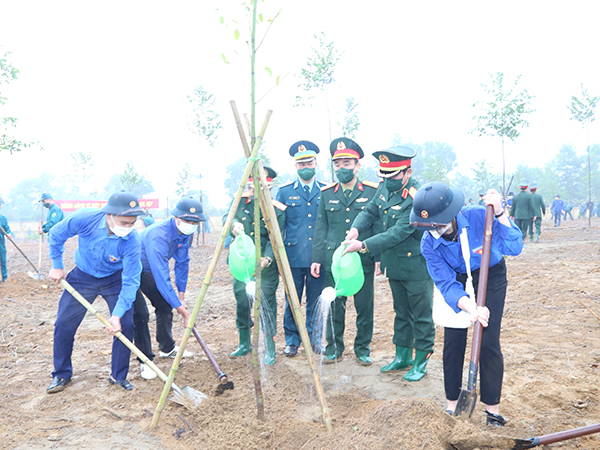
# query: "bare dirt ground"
[[550, 339]]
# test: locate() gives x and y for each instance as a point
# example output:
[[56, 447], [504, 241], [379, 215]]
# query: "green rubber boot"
[[419, 368], [245, 345], [269, 359], [402, 360], [537, 236]]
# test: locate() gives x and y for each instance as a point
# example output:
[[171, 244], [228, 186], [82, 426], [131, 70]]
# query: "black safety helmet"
[[188, 209], [123, 204], [434, 205]]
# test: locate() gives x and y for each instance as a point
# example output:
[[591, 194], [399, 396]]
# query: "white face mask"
[[187, 228], [437, 233], [118, 230]]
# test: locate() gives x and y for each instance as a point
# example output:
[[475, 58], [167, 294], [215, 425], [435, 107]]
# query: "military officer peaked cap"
[[345, 148], [533, 187], [434, 205], [524, 185], [394, 160], [188, 209], [304, 151], [270, 174], [45, 196], [123, 204]]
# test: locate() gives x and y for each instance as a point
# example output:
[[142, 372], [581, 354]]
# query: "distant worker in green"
[[55, 214], [540, 209], [522, 209], [6, 228]]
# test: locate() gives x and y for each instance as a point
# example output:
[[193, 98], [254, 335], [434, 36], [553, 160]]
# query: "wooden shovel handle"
[[481, 291]]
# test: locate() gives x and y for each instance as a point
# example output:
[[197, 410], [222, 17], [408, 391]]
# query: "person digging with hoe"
[[170, 239], [438, 209], [107, 263]]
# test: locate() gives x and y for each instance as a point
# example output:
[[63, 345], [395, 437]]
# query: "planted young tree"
[[484, 178], [318, 75], [504, 113], [583, 110], [351, 122], [9, 73], [204, 121]]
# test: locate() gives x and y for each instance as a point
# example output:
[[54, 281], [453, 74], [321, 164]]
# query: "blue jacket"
[[444, 258], [160, 243], [300, 218], [99, 254]]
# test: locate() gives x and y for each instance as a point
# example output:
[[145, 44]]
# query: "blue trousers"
[[314, 287], [71, 313]]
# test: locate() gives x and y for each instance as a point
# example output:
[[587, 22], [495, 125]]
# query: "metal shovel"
[[35, 276], [468, 397], [187, 396]]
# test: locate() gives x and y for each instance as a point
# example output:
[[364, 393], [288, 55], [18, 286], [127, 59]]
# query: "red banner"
[[73, 205]]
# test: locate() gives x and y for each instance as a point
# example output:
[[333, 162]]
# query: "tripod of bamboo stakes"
[[268, 212]]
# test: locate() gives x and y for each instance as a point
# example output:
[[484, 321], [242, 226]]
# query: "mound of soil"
[[550, 340]]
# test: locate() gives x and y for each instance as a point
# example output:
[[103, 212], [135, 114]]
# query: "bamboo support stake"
[[208, 277], [260, 407], [284, 269]]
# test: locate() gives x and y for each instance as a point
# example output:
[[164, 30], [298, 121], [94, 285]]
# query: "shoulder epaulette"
[[286, 184], [412, 191], [279, 205], [370, 184], [328, 186]]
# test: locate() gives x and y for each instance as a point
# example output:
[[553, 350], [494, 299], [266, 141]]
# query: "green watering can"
[[348, 275], [242, 257]]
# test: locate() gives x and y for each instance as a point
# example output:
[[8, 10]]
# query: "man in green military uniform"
[[6, 228], [340, 204], [244, 221], [537, 202], [522, 211], [55, 214], [398, 246]]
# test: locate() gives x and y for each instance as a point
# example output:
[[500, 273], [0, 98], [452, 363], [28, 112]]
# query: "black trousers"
[[164, 318], [491, 361]]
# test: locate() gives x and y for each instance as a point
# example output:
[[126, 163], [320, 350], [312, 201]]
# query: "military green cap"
[[394, 160], [345, 148]]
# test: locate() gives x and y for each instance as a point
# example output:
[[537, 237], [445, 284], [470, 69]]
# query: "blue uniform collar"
[[302, 184]]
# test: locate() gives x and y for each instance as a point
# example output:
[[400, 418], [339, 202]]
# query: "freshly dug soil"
[[550, 340]]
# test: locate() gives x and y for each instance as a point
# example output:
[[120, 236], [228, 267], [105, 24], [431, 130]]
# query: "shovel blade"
[[466, 404], [188, 397], [35, 276]]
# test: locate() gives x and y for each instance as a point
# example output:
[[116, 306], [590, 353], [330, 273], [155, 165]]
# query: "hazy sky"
[[111, 78]]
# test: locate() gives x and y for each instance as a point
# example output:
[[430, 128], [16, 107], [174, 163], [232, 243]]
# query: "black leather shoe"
[[123, 383], [290, 350], [495, 419], [318, 349], [58, 384]]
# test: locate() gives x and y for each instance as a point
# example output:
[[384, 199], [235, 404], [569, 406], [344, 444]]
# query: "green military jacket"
[[335, 216], [397, 244], [537, 202], [522, 208], [55, 215], [245, 215]]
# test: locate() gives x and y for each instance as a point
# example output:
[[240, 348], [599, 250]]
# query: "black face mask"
[[46, 205]]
